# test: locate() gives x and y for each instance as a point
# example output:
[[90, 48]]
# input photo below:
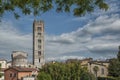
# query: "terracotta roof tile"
[[21, 69]]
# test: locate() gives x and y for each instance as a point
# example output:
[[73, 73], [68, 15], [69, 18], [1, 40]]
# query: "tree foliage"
[[118, 56], [37, 7], [44, 76], [96, 69], [87, 76], [66, 71], [114, 66]]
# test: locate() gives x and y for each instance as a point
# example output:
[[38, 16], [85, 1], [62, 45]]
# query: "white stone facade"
[[38, 44], [19, 58]]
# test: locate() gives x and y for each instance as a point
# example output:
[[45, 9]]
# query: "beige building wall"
[[84, 62], [23, 74], [102, 66], [38, 43]]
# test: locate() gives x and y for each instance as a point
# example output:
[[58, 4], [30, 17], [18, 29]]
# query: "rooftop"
[[21, 69]]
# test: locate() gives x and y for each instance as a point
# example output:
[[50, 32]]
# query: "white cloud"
[[105, 24], [100, 36], [62, 58], [11, 39]]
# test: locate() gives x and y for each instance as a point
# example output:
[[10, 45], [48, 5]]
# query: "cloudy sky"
[[95, 35]]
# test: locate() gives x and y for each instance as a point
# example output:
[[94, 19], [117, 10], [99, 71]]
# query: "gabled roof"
[[21, 69], [101, 63]]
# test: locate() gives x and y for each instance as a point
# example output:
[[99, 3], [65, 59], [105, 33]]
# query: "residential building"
[[3, 66], [90, 63], [83, 62], [2, 72], [3, 63], [38, 44], [102, 68], [17, 73]]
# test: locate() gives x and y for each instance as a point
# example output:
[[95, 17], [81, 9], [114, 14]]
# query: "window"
[[39, 34], [10, 74], [39, 46], [102, 71], [39, 53], [39, 59], [39, 28], [39, 40], [15, 75]]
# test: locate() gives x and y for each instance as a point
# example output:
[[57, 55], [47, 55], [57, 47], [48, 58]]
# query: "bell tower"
[[38, 43]]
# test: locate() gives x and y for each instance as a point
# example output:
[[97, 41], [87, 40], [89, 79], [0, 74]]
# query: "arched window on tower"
[[39, 53], [39, 34], [39, 47], [39, 28], [39, 41], [39, 60]]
